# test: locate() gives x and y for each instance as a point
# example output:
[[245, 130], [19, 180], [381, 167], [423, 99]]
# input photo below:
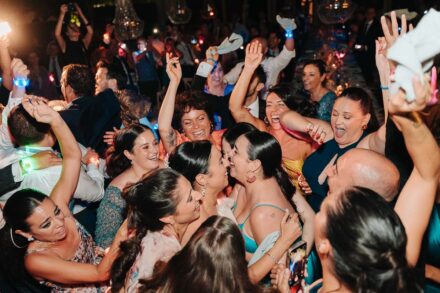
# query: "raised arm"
[[253, 59], [58, 28], [319, 130], [415, 202], [66, 185], [89, 35], [166, 131], [376, 140], [5, 62]]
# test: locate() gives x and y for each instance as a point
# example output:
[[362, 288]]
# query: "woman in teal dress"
[[135, 152], [314, 79]]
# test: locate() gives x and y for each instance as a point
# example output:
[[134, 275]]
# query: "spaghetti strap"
[[261, 205]]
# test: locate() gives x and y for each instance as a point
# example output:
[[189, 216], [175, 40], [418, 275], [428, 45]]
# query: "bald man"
[[365, 168]]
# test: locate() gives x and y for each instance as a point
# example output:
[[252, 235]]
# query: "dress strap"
[[262, 205]]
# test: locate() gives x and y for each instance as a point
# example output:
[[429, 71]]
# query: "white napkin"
[[414, 53], [409, 15], [230, 44], [288, 24]]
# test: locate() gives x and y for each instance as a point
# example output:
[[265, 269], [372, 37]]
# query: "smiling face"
[[188, 206], [145, 152], [347, 121], [239, 164], [217, 173], [274, 108], [312, 78], [196, 125], [47, 222], [215, 78]]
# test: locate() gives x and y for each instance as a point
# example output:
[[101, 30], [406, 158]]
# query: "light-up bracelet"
[[21, 82]]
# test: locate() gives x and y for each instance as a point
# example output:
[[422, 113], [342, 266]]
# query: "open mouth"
[[339, 131], [275, 119], [199, 133]]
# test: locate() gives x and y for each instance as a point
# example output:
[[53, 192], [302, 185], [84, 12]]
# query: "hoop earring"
[[364, 127], [266, 120], [13, 242]]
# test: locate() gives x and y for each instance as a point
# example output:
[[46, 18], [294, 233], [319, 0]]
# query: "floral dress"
[[87, 253]]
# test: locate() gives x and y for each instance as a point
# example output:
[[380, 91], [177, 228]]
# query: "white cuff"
[[204, 69]]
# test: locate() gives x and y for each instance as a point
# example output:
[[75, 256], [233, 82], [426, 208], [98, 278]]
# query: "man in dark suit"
[[76, 87], [90, 117], [365, 45]]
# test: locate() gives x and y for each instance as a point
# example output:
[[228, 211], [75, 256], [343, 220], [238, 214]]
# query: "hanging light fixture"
[[335, 11], [179, 13], [208, 10], [127, 23]]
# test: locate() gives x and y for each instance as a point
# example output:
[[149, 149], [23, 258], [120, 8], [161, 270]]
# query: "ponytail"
[[147, 201], [128, 251]]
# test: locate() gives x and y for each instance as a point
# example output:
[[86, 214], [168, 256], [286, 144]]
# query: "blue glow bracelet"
[[21, 82]]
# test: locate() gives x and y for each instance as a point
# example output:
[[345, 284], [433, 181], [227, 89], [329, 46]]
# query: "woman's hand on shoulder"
[[290, 227]]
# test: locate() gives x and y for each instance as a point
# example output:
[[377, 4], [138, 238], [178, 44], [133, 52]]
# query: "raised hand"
[[64, 9], [392, 34], [382, 63], [4, 42], [254, 55], [174, 70], [400, 106], [212, 55], [38, 109], [19, 69]]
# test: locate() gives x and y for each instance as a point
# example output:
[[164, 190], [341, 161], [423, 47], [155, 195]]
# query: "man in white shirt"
[[33, 137], [272, 66]]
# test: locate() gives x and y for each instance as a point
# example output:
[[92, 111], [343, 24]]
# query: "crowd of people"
[[163, 174]]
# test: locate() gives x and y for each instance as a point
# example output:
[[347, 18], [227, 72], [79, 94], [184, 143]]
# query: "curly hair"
[[187, 101]]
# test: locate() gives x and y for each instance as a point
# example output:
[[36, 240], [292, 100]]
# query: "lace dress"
[[155, 247], [87, 253], [110, 216]]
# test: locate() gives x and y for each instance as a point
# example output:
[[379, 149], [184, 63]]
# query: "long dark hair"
[[373, 258], [212, 261], [295, 101], [191, 159], [148, 200], [18, 208], [358, 94], [264, 147], [231, 134], [116, 160]]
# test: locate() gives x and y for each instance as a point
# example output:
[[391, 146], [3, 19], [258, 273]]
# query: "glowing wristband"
[[384, 87], [26, 165], [21, 82], [289, 34]]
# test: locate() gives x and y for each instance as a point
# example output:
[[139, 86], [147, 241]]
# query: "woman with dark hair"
[[192, 114], [373, 258], [160, 207], [237, 194], [41, 238], [202, 164], [212, 261], [256, 163], [295, 149], [135, 152], [353, 124], [314, 80]]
